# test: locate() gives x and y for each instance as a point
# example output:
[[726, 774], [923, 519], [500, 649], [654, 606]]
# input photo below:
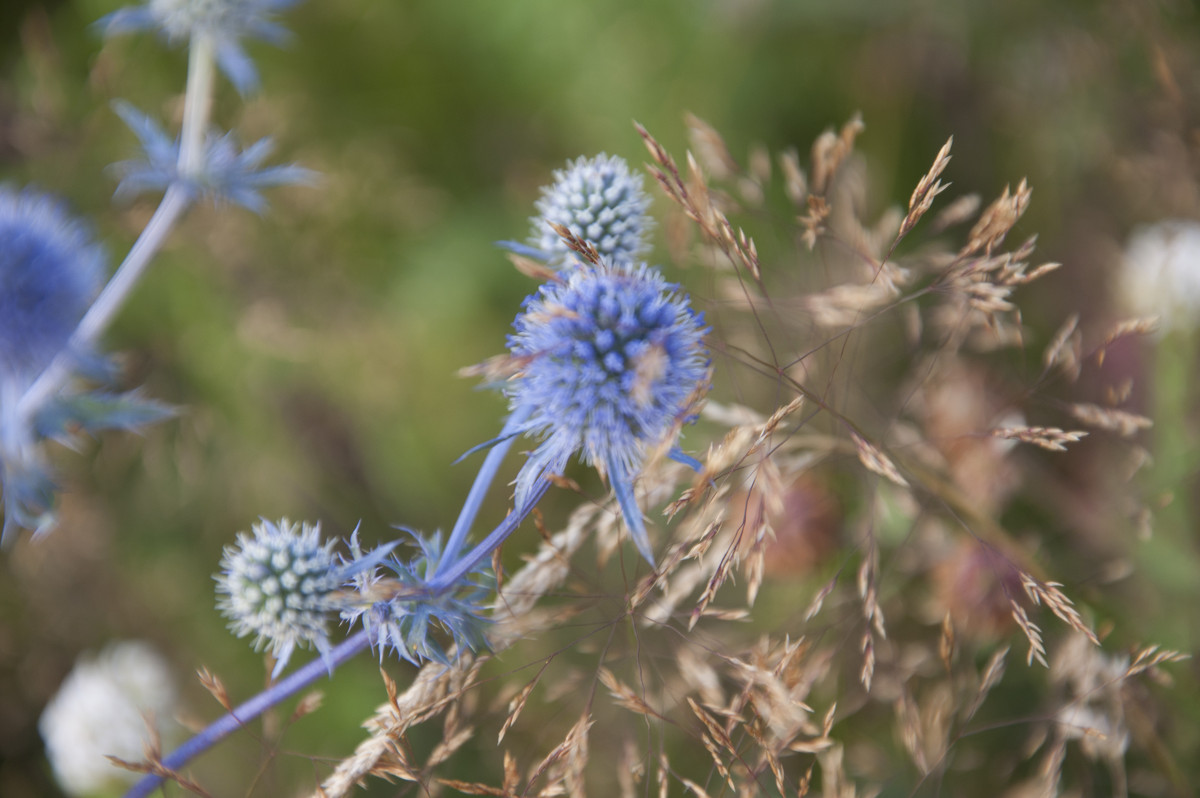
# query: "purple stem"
[[483, 480], [239, 717], [444, 579]]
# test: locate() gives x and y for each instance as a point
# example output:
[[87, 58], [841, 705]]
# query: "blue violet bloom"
[[610, 361], [50, 271]]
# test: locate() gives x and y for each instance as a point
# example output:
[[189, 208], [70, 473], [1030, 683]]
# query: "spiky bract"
[[402, 611], [228, 173]]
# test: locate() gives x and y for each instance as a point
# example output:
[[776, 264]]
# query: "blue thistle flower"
[[611, 360], [280, 584], [226, 22], [597, 199], [50, 270], [401, 609], [227, 174]]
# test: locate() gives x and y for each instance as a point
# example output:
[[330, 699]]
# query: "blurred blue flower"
[[396, 603], [600, 201], [50, 271], [228, 174], [226, 22], [610, 362]]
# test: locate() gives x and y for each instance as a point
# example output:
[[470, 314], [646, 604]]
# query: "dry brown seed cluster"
[[838, 487]]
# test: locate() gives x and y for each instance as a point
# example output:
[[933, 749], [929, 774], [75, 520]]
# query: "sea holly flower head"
[[50, 270], [228, 173], [600, 201], [611, 360], [225, 22], [281, 584], [394, 602]]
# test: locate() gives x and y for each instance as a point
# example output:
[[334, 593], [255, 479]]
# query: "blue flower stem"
[[251, 709], [479, 489], [174, 202], [196, 109], [197, 103], [446, 578]]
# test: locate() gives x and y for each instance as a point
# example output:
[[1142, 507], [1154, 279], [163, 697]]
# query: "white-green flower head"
[[281, 584], [225, 22], [600, 201]]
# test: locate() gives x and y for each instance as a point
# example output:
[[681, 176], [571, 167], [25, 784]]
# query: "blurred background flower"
[[1160, 273], [115, 703]]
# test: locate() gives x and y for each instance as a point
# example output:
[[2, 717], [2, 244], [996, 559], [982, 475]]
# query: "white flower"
[[1160, 275], [103, 708]]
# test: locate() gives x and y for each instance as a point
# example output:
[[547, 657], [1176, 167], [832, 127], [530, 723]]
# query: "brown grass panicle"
[[838, 588]]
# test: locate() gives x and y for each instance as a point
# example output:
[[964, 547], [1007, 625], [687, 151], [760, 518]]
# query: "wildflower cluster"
[[50, 272], [607, 361]]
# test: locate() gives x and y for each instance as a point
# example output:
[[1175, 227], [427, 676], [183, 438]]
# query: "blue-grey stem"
[[251, 709], [479, 489], [447, 576], [197, 105], [174, 202]]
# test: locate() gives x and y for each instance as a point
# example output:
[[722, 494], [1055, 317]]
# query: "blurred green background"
[[313, 351]]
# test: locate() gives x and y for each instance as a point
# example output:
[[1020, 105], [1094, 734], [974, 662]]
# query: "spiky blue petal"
[[67, 414], [227, 173], [612, 358], [404, 615], [29, 492]]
